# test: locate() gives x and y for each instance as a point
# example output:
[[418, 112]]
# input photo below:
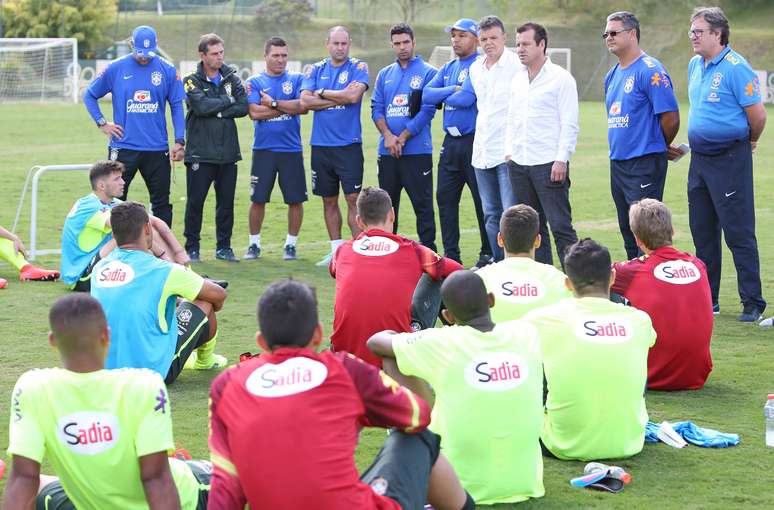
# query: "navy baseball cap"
[[464, 24], [144, 41]]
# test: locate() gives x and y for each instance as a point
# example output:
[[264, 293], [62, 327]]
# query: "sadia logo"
[[375, 246], [604, 330], [678, 272], [400, 100], [295, 375], [521, 291], [496, 372], [88, 432], [114, 274], [142, 96]]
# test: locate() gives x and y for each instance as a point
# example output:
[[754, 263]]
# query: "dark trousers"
[[454, 172], [155, 169], [720, 197], [199, 177], [415, 174], [632, 180], [551, 200]]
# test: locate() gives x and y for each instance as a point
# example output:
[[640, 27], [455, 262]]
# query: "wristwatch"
[[181, 141], [101, 122], [319, 92], [274, 103]]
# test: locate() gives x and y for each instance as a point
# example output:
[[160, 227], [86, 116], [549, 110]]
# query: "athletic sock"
[[255, 239], [9, 254], [291, 240], [335, 243], [205, 351]]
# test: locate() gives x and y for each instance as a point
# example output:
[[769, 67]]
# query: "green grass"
[[663, 477]]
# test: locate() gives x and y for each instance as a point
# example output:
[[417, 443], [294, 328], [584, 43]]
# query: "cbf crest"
[[463, 76], [343, 77], [416, 82], [287, 88], [716, 79], [156, 78], [629, 85], [227, 88]]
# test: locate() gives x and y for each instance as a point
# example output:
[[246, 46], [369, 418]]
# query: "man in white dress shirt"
[[540, 137], [489, 85]]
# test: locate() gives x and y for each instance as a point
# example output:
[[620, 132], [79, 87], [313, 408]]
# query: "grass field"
[[738, 477]]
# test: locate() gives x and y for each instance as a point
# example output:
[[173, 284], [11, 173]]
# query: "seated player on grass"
[[518, 282], [488, 383], [86, 236], [139, 293], [668, 285], [12, 251], [284, 425], [383, 280], [595, 358], [106, 433]]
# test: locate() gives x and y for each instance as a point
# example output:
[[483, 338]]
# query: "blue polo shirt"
[[719, 92], [283, 133], [390, 101], [339, 125], [461, 120], [634, 98], [140, 94]]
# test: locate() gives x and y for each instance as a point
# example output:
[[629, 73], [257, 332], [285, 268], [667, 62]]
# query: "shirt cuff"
[[563, 155]]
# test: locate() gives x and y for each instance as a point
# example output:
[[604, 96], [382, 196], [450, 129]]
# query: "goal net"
[[559, 56], [38, 69]]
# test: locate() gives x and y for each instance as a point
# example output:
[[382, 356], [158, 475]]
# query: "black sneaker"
[[484, 260], [253, 252], [193, 255], [226, 254], [290, 252], [750, 313]]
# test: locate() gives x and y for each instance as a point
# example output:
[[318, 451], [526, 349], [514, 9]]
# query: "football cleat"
[[216, 361], [30, 272], [290, 252], [253, 252], [226, 254]]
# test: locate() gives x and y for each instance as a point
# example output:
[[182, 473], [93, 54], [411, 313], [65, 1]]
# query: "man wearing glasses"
[[642, 120], [725, 121]]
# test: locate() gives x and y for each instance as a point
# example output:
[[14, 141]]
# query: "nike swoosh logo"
[[643, 186], [323, 77], [387, 81], [205, 90], [127, 77], [45, 501], [166, 153], [266, 89], [358, 186], [428, 172], [729, 194]]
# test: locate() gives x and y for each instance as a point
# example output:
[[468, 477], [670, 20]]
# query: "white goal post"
[[39, 69], [559, 56]]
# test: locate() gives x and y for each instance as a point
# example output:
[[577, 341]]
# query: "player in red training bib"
[[284, 425], [672, 287], [380, 280]]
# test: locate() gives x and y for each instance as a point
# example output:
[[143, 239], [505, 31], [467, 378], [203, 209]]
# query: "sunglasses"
[[614, 33]]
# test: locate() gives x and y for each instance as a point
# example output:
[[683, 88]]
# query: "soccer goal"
[[39, 69], [559, 56]]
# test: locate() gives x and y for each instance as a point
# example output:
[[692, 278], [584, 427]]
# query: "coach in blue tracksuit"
[[141, 84], [455, 168], [642, 120], [725, 121], [405, 145]]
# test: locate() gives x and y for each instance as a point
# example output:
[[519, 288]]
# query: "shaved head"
[[465, 296], [338, 28], [77, 323]]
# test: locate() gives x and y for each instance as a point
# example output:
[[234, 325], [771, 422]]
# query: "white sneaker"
[[767, 323], [326, 260]]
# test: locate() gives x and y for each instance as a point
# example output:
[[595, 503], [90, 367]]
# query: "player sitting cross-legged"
[[668, 284], [519, 282], [106, 433], [383, 280], [284, 425], [595, 357], [139, 294], [488, 384], [12, 251], [86, 236]]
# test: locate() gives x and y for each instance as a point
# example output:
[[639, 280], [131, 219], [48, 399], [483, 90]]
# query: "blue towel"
[[698, 436]]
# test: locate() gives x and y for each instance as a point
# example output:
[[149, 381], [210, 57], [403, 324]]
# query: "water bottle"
[[612, 471], [768, 412]]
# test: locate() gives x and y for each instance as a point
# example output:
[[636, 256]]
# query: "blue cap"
[[144, 41], [464, 24]]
